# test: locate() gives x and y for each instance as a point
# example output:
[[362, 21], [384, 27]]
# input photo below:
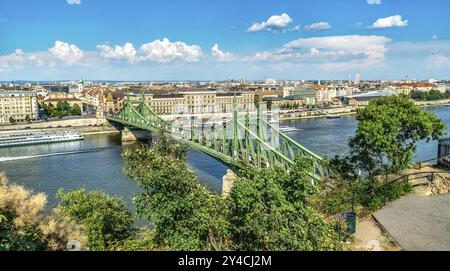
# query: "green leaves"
[[62, 109], [266, 210], [183, 213], [387, 134], [269, 210], [432, 95], [106, 218]]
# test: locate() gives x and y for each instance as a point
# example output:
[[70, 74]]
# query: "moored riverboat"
[[34, 138]]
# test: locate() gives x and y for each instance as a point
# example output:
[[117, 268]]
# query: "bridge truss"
[[246, 137]]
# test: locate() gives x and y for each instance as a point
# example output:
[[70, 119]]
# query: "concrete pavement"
[[418, 223]]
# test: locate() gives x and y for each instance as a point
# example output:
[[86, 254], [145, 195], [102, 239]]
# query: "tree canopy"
[[106, 219], [270, 210], [267, 209], [388, 131], [26, 226], [432, 95], [184, 214]]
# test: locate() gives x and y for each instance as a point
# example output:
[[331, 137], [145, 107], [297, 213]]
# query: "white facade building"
[[18, 105]]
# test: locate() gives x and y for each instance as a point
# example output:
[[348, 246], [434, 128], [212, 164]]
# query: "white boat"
[[333, 117], [32, 138], [287, 129]]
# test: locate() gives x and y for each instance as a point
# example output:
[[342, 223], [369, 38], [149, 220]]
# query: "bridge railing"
[[232, 141], [351, 202]]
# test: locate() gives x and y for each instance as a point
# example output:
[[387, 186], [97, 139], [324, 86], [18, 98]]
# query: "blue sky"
[[214, 40]]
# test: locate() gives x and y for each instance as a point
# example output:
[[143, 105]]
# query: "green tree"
[[27, 118], [12, 120], [387, 133], [105, 218], [75, 110], [270, 211], [26, 226], [63, 109], [184, 214], [431, 95]]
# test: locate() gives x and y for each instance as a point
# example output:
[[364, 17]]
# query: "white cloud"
[[127, 52], [20, 59], [67, 53], [318, 26], [374, 2], [339, 52], [165, 51], [368, 47], [391, 21], [259, 56], [220, 55], [74, 2], [297, 28], [274, 23], [438, 60], [420, 48], [434, 37]]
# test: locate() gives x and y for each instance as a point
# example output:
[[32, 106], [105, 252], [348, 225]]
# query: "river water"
[[43, 168]]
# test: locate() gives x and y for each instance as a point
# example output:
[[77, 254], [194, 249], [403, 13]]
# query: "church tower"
[[81, 85]]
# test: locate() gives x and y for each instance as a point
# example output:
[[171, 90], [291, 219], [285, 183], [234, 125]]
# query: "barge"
[[34, 138]]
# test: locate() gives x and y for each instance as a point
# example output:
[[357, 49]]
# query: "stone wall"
[[76, 122]]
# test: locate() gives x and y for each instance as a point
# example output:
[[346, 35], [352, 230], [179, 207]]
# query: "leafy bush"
[[142, 241], [377, 195], [267, 209], [184, 214], [24, 225], [270, 210], [106, 218]]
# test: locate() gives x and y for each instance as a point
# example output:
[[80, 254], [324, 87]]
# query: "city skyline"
[[142, 40]]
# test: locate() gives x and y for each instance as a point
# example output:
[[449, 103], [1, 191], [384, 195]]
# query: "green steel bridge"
[[242, 139]]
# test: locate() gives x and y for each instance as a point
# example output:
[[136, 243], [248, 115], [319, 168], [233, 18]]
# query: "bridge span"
[[245, 138]]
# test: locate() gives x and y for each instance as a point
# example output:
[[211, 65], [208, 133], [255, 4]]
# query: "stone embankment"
[[339, 111], [432, 103], [85, 126]]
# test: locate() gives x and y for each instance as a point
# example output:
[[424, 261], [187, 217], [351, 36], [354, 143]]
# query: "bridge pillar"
[[127, 135], [227, 182]]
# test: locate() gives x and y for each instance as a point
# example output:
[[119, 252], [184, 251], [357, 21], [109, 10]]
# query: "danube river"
[[44, 168]]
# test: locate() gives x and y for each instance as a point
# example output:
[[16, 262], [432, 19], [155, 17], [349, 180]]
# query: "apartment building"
[[18, 105], [196, 102]]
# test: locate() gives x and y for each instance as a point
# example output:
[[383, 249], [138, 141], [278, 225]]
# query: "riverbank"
[[342, 111], [84, 130], [348, 111], [432, 103]]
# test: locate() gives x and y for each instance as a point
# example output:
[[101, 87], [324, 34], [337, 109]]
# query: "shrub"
[[378, 195], [106, 218], [24, 225]]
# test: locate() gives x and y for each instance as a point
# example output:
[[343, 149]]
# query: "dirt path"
[[369, 237]]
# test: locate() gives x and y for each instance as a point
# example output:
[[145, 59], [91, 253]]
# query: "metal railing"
[[430, 176]]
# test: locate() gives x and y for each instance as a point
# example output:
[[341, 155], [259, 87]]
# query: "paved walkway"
[[369, 237], [418, 223]]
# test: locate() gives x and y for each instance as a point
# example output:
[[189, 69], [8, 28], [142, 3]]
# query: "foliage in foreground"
[[24, 225], [271, 210], [385, 142], [387, 133], [183, 214], [267, 210], [106, 219], [377, 195]]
